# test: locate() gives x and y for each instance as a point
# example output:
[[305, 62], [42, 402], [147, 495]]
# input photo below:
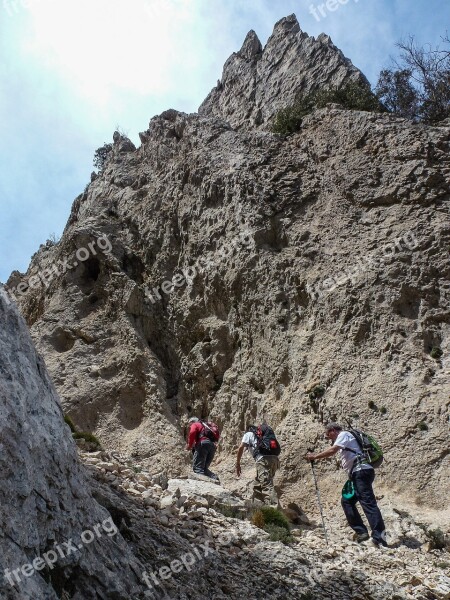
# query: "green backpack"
[[371, 450]]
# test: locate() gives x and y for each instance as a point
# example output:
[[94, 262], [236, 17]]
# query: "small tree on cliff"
[[101, 155], [417, 86]]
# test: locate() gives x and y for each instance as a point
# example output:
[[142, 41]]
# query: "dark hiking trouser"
[[263, 489], [363, 480], [203, 456]]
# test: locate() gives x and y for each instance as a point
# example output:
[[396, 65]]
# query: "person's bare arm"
[[240, 452], [328, 453]]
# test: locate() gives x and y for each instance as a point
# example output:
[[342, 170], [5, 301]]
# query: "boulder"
[[204, 492]]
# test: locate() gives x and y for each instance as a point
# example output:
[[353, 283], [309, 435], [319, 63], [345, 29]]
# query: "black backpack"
[[266, 444]]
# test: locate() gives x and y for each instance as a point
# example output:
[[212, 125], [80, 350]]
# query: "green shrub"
[[436, 353], [273, 516], [278, 534], [422, 426], [230, 511], [258, 519], [274, 522], [289, 119], [372, 405], [352, 96], [437, 538], [317, 392], [442, 565], [88, 437], [383, 410], [70, 423]]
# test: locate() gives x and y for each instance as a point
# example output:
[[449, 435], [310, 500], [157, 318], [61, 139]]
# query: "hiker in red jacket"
[[202, 439]]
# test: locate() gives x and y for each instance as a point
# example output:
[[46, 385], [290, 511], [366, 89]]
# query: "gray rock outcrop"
[[49, 547], [257, 82]]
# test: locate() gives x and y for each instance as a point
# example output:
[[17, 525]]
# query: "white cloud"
[[98, 48]]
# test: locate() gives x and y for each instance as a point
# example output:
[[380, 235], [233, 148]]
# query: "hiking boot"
[[381, 544], [361, 537], [256, 503], [200, 477]]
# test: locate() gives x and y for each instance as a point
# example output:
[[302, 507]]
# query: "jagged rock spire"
[[288, 24], [251, 46], [257, 81]]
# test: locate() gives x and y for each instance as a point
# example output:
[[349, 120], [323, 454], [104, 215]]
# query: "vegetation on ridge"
[[436, 353], [100, 156], [87, 437], [353, 96], [416, 87], [82, 435], [70, 423], [274, 522]]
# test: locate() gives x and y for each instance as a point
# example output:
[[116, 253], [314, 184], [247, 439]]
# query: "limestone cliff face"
[[280, 265], [257, 81], [45, 499], [58, 543]]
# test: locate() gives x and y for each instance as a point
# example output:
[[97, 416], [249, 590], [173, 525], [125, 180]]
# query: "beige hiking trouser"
[[263, 489]]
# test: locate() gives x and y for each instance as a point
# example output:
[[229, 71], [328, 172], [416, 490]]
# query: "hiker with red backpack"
[[202, 440], [264, 447], [359, 454]]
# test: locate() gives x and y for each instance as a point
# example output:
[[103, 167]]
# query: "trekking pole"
[[318, 500]]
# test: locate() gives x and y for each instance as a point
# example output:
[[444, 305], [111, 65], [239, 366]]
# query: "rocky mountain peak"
[[287, 25], [251, 46], [257, 82]]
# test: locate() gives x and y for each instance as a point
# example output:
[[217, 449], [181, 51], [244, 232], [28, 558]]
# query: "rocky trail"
[[239, 555]]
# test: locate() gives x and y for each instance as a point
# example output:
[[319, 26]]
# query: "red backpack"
[[210, 430]]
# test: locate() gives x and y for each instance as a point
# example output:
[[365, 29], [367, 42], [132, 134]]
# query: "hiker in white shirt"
[[266, 467], [362, 476]]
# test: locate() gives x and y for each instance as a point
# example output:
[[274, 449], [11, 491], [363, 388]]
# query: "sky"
[[72, 71]]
